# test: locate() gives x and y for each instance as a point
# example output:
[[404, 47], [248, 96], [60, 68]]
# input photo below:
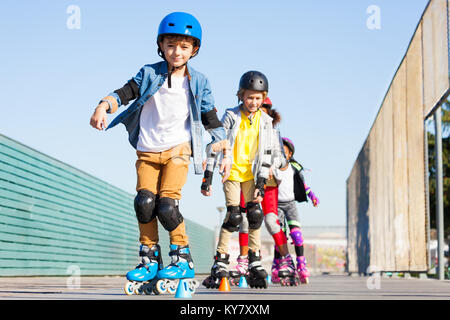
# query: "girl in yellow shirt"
[[249, 133]]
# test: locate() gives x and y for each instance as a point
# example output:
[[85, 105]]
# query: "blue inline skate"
[[181, 267], [142, 280]]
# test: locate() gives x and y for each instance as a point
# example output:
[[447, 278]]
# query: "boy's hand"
[[99, 118], [207, 193], [259, 189], [257, 196], [225, 168]]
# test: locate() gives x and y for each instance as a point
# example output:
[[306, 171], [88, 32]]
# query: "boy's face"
[[177, 50], [287, 152], [252, 100]]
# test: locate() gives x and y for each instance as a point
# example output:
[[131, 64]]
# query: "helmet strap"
[[170, 71], [251, 114], [173, 69]]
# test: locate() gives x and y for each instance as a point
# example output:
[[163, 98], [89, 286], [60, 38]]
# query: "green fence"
[[55, 219]]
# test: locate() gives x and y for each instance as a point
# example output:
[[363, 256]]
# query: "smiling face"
[[252, 100], [177, 50]]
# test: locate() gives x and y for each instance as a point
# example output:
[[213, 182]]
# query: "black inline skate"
[[219, 270], [257, 276]]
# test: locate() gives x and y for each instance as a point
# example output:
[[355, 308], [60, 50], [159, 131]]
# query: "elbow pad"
[[128, 92], [210, 120]]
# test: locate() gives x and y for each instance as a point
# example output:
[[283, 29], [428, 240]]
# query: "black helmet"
[[254, 80], [288, 143]]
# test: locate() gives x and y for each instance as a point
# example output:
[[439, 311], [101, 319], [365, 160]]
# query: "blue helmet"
[[180, 23]]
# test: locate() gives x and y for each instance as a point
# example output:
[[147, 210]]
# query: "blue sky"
[[328, 73]]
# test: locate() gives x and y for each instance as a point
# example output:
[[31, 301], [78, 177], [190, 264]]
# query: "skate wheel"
[[264, 284], [172, 287], [259, 284], [194, 284], [161, 286], [155, 291], [305, 281], [147, 290], [275, 279], [138, 290], [128, 288], [210, 283]]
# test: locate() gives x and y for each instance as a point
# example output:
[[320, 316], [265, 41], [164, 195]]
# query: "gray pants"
[[288, 210]]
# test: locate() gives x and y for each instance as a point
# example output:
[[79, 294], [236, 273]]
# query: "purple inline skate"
[[275, 269], [302, 271], [286, 271]]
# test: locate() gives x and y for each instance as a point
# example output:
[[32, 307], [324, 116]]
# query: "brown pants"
[[232, 190], [164, 174]]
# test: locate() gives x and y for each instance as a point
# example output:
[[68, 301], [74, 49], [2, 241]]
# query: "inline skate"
[[241, 269], [142, 279], [275, 269], [219, 270], [302, 271], [180, 267], [286, 272], [257, 276]]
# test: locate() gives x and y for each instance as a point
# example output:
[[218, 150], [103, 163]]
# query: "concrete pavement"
[[322, 287]]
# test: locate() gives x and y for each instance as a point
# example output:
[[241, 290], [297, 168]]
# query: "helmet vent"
[[171, 24], [189, 27]]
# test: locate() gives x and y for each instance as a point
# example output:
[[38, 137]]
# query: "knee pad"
[[255, 215], [168, 213], [144, 205], [233, 219], [272, 224], [296, 236]]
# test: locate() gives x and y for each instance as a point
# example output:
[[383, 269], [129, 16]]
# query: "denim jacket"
[[149, 79]]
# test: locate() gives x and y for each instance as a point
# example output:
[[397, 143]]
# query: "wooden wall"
[[386, 217]]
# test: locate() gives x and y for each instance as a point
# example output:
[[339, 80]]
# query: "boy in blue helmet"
[[171, 102]]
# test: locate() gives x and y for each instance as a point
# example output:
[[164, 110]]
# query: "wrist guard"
[[260, 182], [207, 180]]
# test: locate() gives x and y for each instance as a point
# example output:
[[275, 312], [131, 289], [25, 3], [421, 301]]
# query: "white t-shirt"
[[286, 186], [165, 117]]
